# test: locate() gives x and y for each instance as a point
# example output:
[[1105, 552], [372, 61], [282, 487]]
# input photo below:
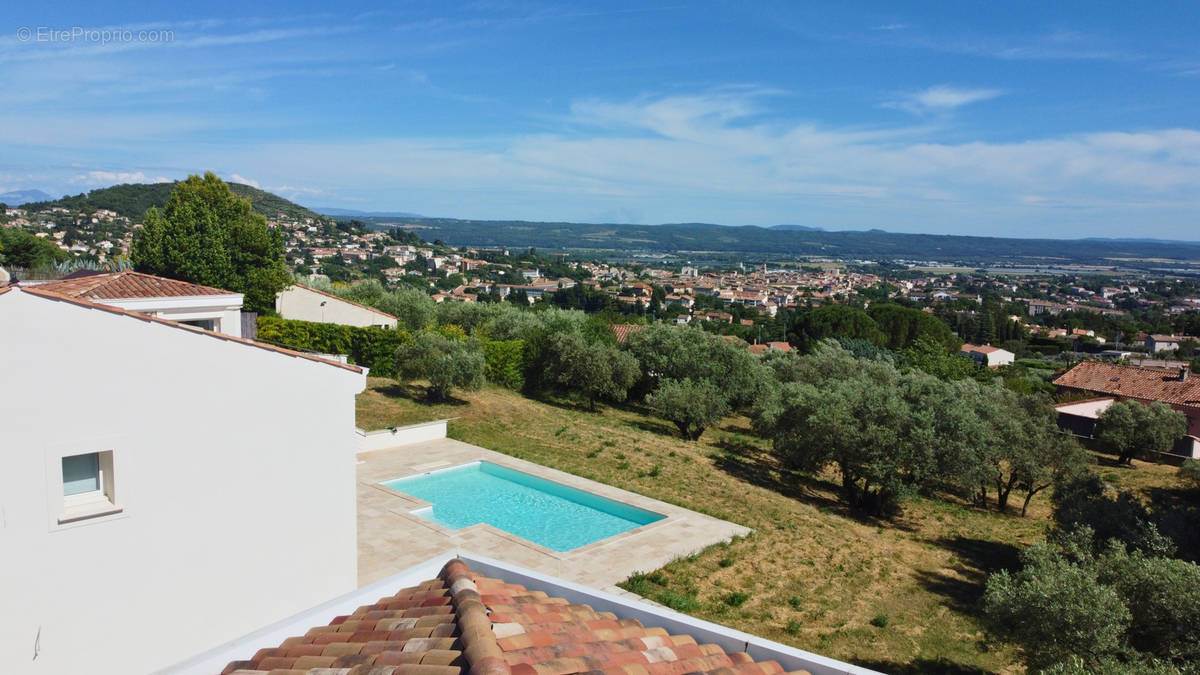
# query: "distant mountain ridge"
[[797, 228], [132, 200], [353, 213], [22, 197], [751, 239]]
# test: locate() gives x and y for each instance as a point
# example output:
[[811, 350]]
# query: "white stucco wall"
[[304, 304], [234, 467], [1000, 357], [225, 311], [382, 439]]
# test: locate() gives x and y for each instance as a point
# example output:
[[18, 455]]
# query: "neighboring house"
[[202, 306], [1079, 418], [157, 480], [308, 304], [987, 355], [765, 347], [1161, 343], [1172, 386]]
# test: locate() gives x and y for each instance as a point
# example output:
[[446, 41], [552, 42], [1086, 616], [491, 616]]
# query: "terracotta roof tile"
[[489, 627], [623, 330], [1138, 382], [126, 285]]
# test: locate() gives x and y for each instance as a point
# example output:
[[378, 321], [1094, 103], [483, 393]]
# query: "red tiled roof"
[[623, 330], [127, 284], [464, 623], [36, 290], [982, 349], [1139, 382]]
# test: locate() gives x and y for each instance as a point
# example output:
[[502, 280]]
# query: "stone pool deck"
[[391, 539]]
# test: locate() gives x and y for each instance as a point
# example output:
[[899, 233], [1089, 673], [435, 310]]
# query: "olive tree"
[[1056, 609], [1129, 430], [593, 369], [692, 405], [448, 363]]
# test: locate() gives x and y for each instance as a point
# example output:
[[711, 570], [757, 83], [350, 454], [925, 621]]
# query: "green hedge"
[[372, 347], [505, 362]]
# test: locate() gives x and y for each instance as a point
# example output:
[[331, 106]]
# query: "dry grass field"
[[899, 596]]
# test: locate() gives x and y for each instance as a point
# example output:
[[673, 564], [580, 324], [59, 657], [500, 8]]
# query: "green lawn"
[[898, 596]]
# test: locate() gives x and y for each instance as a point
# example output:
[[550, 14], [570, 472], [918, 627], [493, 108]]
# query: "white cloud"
[[942, 98], [950, 97], [243, 180], [720, 157], [104, 178]]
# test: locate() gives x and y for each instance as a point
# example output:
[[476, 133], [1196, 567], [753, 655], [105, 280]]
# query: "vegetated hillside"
[[132, 200], [700, 237]]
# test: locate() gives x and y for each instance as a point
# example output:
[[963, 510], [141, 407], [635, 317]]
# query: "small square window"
[[81, 473], [87, 486]]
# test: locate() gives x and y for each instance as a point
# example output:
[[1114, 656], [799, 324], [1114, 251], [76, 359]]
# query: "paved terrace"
[[391, 539]]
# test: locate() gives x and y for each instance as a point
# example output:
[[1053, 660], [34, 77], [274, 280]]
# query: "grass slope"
[[899, 597]]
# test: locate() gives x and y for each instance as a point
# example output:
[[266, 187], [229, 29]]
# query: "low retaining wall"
[[367, 441]]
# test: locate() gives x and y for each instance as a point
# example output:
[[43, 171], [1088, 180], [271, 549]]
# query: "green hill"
[[132, 200]]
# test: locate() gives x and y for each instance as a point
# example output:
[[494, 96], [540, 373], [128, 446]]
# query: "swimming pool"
[[551, 514]]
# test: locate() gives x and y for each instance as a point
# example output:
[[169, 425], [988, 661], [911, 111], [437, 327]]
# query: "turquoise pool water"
[[551, 514]]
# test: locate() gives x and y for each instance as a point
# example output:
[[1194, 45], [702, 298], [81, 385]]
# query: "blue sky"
[[995, 118]]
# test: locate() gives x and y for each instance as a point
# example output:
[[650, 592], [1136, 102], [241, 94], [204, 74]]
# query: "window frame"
[[91, 506]]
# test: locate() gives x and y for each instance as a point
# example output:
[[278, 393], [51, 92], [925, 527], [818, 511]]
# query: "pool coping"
[[391, 535], [420, 504]]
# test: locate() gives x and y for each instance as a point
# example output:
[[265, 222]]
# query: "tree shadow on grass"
[[417, 394], [753, 465], [922, 667], [657, 427], [757, 466], [977, 558]]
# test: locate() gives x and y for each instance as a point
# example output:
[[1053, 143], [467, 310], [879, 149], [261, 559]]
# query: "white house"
[[308, 304], [992, 357], [159, 481], [1161, 343], [203, 306]]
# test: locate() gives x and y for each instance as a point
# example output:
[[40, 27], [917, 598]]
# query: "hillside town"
[[1111, 315]]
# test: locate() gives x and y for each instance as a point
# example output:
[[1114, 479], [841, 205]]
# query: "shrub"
[[737, 598], [371, 346], [505, 362], [1190, 472], [680, 602], [880, 621]]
